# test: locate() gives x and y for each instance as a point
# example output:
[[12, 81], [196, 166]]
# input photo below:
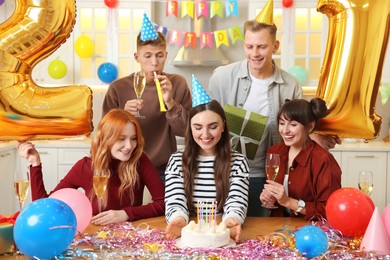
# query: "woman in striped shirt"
[[207, 170]]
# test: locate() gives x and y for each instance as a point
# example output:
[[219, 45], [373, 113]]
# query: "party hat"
[[376, 238], [386, 219], [148, 32], [266, 14], [199, 95]]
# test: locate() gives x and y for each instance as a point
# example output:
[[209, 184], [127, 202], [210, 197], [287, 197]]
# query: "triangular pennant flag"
[[375, 238], [148, 32], [266, 14], [199, 95]]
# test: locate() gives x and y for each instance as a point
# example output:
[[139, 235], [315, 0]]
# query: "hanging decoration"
[[57, 69], [201, 8], [111, 3], [287, 3]]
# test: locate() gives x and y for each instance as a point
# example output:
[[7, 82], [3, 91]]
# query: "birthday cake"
[[193, 235]]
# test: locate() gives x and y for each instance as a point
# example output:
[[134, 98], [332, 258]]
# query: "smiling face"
[[126, 143], [259, 47], [151, 58], [294, 134], [207, 128]]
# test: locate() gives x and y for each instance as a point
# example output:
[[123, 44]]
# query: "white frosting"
[[209, 236]]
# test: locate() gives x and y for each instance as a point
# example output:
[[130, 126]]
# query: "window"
[[302, 32], [114, 32]]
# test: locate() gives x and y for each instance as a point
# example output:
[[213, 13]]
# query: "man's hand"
[[134, 105], [326, 141]]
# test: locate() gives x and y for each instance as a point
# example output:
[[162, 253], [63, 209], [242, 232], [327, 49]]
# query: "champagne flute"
[[272, 162], [100, 185], [21, 185], [366, 182], [139, 87]]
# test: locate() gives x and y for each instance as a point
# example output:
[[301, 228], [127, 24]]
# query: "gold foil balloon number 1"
[[27, 111], [352, 66]]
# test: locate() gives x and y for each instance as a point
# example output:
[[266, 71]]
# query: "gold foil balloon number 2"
[[352, 66], [27, 111]]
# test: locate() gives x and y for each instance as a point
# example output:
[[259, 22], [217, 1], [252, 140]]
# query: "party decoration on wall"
[[107, 72], [299, 72], [28, 111], [57, 69], [199, 95], [84, 47], [349, 210], [384, 91], [147, 30], [375, 238], [111, 3], [311, 241], [386, 219], [79, 203], [287, 3], [266, 14], [45, 228], [352, 66], [201, 8]]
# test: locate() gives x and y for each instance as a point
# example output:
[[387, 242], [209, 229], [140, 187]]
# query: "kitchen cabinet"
[[375, 157], [7, 169]]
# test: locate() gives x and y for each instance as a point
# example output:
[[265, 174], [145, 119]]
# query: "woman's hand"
[[235, 228], [110, 217], [266, 198], [174, 228], [277, 191], [27, 150]]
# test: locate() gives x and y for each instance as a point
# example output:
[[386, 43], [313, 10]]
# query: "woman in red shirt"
[[116, 151], [308, 174]]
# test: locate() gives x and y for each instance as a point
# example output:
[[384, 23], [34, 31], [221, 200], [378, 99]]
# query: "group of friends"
[[139, 153]]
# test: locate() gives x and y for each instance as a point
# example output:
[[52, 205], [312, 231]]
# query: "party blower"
[[160, 98]]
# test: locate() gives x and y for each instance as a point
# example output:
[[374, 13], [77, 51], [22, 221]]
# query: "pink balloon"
[[79, 203], [386, 219]]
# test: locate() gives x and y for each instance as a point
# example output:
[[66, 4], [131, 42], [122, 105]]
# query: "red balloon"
[[349, 210], [287, 3], [110, 3]]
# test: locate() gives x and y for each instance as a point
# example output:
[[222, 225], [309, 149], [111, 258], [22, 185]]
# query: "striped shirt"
[[236, 203]]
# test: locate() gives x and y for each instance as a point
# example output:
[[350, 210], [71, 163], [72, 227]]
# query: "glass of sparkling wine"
[[100, 186], [21, 185], [139, 87], [366, 183], [272, 162]]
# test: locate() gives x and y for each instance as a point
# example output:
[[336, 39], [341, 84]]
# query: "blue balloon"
[[107, 72], [299, 72], [45, 228], [311, 241]]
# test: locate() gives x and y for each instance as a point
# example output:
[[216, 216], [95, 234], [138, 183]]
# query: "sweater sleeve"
[[175, 199], [110, 100], [236, 204], [177, 116], [153, 182]]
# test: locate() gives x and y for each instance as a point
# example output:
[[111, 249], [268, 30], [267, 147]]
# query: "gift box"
[[6, 234], [246, 129]]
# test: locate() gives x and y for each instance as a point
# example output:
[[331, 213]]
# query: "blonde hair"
[[108, 132]]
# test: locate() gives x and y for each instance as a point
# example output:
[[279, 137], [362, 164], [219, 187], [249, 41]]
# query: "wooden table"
[[252, 227]]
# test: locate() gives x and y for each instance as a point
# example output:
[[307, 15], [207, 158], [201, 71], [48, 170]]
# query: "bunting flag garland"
[[201, 8], [221, 38], [172, 7], [190, 40], [206, 39], [236, 34]]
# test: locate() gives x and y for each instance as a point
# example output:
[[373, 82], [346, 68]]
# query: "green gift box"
[[246, 129]]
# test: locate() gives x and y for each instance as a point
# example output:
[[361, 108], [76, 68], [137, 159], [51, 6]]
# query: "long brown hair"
[[222, 163], [108, 132]]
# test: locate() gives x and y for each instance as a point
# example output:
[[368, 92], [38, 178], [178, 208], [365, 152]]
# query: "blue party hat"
[[199, 95], [148, 32]]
